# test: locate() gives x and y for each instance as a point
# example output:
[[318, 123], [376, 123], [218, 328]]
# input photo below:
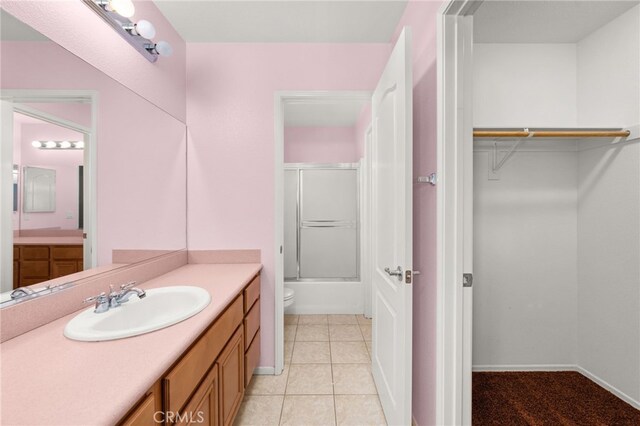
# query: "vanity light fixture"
[[142, 28], [116, 13], [124, 8], [62, 145]]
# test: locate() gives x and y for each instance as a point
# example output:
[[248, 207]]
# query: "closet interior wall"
[[557, 228]]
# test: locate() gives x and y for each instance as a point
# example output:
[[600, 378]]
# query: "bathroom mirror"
[[39, 190], [124, 188]]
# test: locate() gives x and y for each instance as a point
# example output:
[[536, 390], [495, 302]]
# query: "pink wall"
[[320, 145], [230, 116], [141, 170], [82, 32], [421, 17], [65, 163]]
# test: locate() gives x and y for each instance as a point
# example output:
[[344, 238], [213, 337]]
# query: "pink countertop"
[[47, 379], [54, 241]]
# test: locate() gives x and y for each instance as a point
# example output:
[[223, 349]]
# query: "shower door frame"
[[327, 166]]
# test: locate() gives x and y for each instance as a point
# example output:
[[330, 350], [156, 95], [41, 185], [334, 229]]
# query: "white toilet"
[[289, 295]]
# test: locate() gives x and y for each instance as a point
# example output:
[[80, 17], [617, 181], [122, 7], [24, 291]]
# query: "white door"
[[392, 233]]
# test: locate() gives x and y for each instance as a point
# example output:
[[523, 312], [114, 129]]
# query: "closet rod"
[[550, 133]]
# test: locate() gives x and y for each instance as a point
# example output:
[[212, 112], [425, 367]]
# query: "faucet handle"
[[99, 298], [128, 285]]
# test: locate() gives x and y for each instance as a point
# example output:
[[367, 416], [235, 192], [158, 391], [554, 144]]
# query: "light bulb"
[[36, 144], [65, 144], [163, 48], [79, 144], [122, 7], [51, 144], [145, 29]]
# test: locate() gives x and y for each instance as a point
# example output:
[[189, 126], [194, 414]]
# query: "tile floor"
[[326, 379]]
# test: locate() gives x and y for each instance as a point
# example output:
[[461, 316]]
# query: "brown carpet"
[[546, 398]]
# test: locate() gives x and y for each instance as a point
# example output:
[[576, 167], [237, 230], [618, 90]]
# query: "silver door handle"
[[395, 273]]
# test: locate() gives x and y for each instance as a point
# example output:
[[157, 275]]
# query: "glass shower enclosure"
[[321, 222]]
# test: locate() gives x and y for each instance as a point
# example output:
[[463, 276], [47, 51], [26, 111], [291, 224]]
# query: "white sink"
[[161, 308]]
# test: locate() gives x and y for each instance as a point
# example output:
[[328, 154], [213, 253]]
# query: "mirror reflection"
[[116, 179]]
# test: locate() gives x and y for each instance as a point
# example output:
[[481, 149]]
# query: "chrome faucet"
[[126, 291], [21, 292], [115, 298]]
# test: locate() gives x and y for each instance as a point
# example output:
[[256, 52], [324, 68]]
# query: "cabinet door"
[[231, 372], [202, 409], [144, 414], [16, 274]]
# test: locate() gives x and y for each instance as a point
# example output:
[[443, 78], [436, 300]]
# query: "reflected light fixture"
[[116, 13], [61, 145]]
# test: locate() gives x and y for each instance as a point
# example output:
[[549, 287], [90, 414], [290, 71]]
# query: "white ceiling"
[[343, 113], [12, 29], [543, 21], [300, 21]]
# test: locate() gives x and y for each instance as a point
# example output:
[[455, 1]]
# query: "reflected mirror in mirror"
[[39, 190], [119, 161]]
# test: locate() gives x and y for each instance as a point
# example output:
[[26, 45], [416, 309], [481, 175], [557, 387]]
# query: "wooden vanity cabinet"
[[206, 384], [35, 263]]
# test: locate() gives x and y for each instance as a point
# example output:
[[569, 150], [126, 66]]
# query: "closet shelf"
[[551, 133]]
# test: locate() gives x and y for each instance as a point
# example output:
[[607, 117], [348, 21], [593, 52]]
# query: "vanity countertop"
[[55, 241], [47, 379]]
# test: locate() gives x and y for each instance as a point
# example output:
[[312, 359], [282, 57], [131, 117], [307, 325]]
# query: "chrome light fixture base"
[[119, 23]]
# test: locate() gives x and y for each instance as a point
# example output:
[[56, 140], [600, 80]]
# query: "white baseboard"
[[530, 367], [562, 367], [617, 392], [264, 371]]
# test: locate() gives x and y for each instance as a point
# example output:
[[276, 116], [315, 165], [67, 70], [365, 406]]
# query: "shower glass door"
[[326, 216]]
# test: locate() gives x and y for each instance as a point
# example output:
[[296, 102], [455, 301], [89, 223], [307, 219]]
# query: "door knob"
[[395, 273]]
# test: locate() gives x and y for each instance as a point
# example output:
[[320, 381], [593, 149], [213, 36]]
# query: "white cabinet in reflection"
[[321, 222]]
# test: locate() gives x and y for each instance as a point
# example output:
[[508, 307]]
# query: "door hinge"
[[408, 276], [467, 280]]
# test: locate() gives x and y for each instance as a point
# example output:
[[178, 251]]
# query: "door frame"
[[19, 96], [454, 201], [282, 98]]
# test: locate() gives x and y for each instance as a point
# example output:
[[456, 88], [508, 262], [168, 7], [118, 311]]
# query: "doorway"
[[53, 200], [306, 124], [525, 203]]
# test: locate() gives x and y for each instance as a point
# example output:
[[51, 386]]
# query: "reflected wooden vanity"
[[207, 383], [35, 263]]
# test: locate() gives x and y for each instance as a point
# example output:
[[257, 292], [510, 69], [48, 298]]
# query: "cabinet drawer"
[[251, 293], [143, 415], [35, 252], [60, 268], [185, 376], [251, 324], [66, 252], [34, 269], [251, 359]]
